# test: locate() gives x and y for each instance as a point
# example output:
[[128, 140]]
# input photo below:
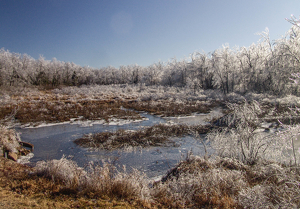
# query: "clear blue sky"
[[99, 33]]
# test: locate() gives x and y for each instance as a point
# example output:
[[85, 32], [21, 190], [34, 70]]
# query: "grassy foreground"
[[193, 183], [19, 189]]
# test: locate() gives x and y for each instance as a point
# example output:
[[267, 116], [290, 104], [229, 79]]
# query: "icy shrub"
[[107, 181], [255, 197], [228, 183], [62, 170], [243, 141], [97, 181], [276, 187], [290, 134], [197, 183]]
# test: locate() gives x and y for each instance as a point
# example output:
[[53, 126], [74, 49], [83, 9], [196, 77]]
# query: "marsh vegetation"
[[256, 156], [156, 135]]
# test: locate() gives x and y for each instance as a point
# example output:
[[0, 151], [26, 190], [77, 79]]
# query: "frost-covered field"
[[256, 156], [252, 166]]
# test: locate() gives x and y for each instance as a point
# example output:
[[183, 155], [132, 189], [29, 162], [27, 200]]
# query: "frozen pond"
[[52, 142]]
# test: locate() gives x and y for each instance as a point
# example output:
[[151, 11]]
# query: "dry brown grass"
[[229, 183], [34, 111], [199, 183], [156, 135], [20, 189], [45, 106], [169, 108], [194, 183]]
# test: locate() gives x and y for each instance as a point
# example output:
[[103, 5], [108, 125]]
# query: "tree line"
[[264, 67]]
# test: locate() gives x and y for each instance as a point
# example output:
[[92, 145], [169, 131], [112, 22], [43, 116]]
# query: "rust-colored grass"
[[19, 189], [156, 135], [63, 110], [169, 108]]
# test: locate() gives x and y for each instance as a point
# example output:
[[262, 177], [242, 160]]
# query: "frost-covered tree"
[[264, 67], [153, 73], [254, 75], [200, 68], [288, 55], [224, 64]]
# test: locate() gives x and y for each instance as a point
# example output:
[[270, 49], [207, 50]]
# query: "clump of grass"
[[98, 181], [20, 186], [272, 186], [197, 183], [169, 108], [156, 135], [63, 170], [107, 181], [228, 183]]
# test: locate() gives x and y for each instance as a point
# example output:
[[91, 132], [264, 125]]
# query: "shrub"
[[274, 186], [244, 141]]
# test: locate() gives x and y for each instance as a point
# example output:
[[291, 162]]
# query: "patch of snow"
[[28, 125], [85, 123], [25, 159], [123, 122]]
